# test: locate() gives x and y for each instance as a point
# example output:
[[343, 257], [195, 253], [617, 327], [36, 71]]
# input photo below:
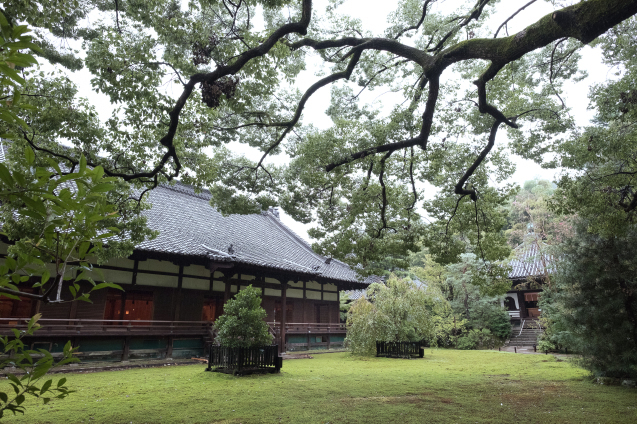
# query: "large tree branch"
[[460, 186], [420, 140]]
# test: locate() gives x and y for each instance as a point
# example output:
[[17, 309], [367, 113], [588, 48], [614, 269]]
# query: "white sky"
[[373, 14]]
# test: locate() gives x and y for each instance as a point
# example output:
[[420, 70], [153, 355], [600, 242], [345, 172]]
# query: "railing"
[[400, 349], [521, 327], [239, 360], [76, 327], [308, 327]]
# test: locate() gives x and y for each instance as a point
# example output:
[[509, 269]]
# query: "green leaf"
[[3, 397], [19, 178], [34, 320], [29, 155], [102, 188], [54, 165], [34, 205], [98, 173], [82, 165], [46, 386], [105, 285], [3, 20], [41, 368], [11, 73], [5, 176], [14, 380], [83, 249], [19, 399]]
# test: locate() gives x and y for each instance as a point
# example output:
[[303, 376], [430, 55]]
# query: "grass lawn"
[[446, 386]]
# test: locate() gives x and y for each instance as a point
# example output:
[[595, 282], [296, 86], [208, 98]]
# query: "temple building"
[[175, 286], [530, 270]]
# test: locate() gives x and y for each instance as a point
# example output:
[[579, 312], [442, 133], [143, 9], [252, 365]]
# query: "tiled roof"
[[188, 225], [530, 259], [357, 294]]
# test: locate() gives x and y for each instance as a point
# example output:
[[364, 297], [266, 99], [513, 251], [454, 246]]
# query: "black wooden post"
[[180, 280], [522, 305], [283, 315], [126, 349], [169, 347], [226, 293], [135, 269]]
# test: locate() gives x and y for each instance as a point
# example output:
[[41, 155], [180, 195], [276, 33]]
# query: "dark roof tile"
[[188, 225]]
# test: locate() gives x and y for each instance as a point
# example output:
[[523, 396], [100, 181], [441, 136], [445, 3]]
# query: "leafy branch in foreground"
[[34, 365]]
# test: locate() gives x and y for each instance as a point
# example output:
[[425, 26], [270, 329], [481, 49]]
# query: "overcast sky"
[[373, 14]]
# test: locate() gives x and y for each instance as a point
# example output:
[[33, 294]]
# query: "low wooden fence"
[[238, 360], [400, 349]]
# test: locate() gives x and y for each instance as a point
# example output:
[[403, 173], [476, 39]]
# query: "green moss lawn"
[[446, 386]]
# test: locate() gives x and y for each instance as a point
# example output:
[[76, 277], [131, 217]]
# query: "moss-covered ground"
[[446, 386]]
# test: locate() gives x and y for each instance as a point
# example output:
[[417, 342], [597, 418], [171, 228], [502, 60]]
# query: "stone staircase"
[[527, 335]]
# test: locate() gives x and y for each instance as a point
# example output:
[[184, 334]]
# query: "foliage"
[[344, 305], [12, 40], [186, 79], [557, 334], [601, 159], [595, 301], [243, 321], [34, 365], [339, 387], [529, 212], [477, 301], [396, 311], [479, 339], [448, 325], [59, 223]]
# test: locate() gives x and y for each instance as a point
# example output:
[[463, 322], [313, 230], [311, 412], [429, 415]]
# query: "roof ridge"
[[187, 189]]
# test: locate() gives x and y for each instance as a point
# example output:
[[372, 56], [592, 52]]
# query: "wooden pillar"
[[226, 293], [522, 305], [73, 311], [126, 349], [169, 348], [135, 269], [180, 279], [282, 348]]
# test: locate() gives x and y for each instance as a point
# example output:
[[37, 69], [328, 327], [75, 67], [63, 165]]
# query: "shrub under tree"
[[243, 321]]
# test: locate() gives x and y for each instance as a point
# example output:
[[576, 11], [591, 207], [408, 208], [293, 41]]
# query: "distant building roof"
[[531, 259]]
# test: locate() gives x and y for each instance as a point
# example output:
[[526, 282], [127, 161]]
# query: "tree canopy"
[[232, 68]]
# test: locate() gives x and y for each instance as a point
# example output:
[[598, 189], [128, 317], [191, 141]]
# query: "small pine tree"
[[243, 321]]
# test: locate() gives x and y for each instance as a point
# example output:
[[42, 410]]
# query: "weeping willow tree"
[[399, 310]]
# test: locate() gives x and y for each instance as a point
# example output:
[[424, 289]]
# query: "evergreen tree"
[[594, 303], [243, 321]]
